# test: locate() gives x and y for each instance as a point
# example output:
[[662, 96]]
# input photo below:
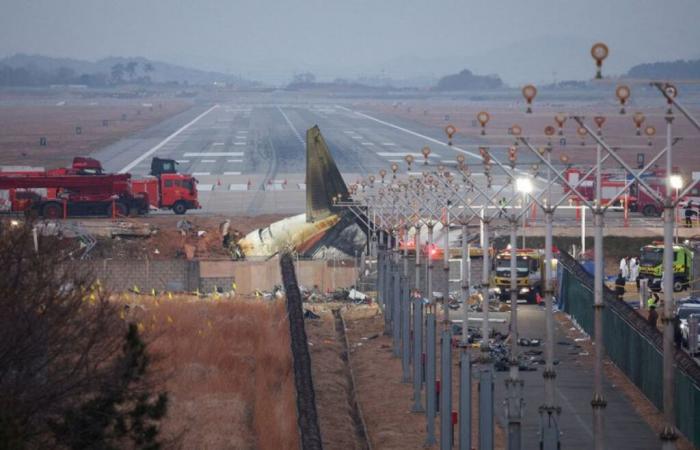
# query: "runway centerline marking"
[[232, 173], [234, 160], [191, 154], [208, 161], [135, 162], [182, 161], [291, 125], [196, 174]]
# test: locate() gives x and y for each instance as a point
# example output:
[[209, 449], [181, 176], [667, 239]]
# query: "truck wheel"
[[179, 208], [678, 285], [122, 209], [650, 211], [52, 210]]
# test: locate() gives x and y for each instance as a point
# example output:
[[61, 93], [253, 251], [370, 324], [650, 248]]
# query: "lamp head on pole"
[[675, 181], [523, 185], [483, 118], [529, 92], [599, 52], [623, 94], [560, 119], [450, 130], [426, 152], [650, 131], [638, 119]]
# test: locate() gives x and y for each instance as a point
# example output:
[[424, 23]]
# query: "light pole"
[[669, 434], [514, 385]]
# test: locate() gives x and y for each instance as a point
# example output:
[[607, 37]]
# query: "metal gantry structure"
[[440, 198]]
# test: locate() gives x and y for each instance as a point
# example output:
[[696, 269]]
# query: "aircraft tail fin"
[[323, 179]]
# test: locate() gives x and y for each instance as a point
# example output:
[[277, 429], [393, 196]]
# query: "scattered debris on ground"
[[159, 236]]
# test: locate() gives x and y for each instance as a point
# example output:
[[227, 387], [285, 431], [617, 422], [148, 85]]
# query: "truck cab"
[[529, 266], [651, 265], [168, 189]]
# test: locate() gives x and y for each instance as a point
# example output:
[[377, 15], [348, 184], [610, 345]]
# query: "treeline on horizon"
[[31, 76], [139, 72], [679, 70]]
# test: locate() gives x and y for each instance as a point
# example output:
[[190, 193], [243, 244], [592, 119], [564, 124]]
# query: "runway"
[[249, 157]]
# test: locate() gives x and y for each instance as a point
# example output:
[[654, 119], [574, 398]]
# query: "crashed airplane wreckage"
[[325, 231]]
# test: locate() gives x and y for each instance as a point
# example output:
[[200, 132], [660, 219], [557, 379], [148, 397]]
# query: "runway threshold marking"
[[291, 125], [427, 138], [399, 155], [135, 162], [190, 154]]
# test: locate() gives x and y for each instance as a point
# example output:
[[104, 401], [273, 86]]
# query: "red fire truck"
[[85, 189], [639, 200]]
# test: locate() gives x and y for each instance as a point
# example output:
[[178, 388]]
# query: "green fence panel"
[[634, 347]]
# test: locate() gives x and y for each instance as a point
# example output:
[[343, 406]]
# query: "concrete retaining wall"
[[181, 275]]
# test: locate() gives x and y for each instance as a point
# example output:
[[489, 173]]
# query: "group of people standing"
[[629, 268]]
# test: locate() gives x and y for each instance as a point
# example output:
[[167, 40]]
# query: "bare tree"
[[72, 373]]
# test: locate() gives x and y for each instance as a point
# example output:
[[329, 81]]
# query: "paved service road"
[[624, 428]]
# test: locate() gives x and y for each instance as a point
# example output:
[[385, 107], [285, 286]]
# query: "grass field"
[[227, 366]]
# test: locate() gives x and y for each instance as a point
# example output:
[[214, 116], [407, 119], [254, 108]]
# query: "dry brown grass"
[[22, 126], [228, 369]]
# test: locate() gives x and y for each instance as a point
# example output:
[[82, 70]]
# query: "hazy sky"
[[520, 39]]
